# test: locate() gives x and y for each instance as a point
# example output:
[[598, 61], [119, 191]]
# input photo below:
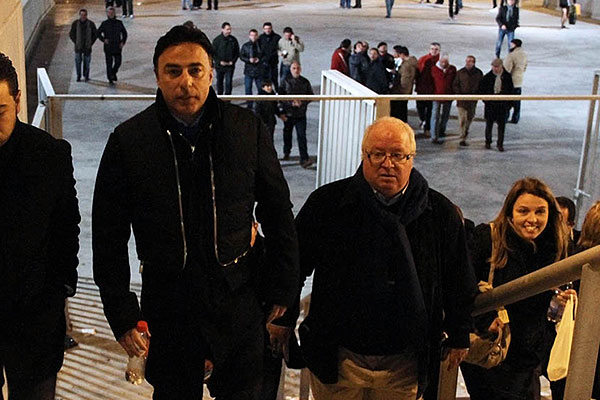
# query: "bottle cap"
[[142, 326]]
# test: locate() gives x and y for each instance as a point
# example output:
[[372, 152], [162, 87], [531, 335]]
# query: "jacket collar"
[[413, 203]]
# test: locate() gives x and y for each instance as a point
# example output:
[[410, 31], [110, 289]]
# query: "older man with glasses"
[[391, 273]]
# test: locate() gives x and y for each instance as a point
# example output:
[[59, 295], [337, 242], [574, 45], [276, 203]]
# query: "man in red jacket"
[[339, 59], [425, 84], [443, 75]]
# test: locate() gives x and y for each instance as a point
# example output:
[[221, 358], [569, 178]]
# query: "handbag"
[[486, 349], [558, 364]]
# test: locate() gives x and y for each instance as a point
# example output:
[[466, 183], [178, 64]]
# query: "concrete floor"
[[546, 143]]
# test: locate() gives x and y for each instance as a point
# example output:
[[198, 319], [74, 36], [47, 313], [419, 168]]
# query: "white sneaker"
[[131, 16]]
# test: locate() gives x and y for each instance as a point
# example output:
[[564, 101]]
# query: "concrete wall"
[[33, 12], [12, 43]]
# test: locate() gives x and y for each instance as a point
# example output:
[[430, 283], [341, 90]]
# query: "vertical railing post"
[[56, 115], [304, 384], [586, 337], [585, 147], [382, 108]]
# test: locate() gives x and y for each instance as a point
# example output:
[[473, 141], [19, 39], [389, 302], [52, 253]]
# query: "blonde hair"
[[390, 124], [503, 222], [590, 231]]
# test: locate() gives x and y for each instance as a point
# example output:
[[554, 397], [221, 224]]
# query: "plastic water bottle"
[[136, 367], [555, 310]]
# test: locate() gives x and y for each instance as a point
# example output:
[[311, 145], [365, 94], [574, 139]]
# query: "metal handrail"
[[317, 97], [539, 281]]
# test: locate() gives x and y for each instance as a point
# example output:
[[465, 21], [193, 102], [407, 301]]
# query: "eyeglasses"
[[379, 157]]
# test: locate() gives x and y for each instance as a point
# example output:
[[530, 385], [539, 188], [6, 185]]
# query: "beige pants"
[[370, 378], [465, 117]]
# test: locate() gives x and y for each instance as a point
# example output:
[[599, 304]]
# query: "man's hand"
[[496, 326], [208, 369], [563, 296], [283, 117], [133, 343], [276, 312], [503, 27], [279, 337], [105, 41], [223, 63], [455, 357]]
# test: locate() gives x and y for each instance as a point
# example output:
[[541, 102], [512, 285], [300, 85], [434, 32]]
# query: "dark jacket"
[[292, 85], [225, 49], [532, 334], [39, 231], [113, 30], [142, 167], [267, 110], [252, 50], [495, 110], [467, 82], [502, 18], [269, 45], [377, 77], [428, 229], [87, 36], [358, 64]]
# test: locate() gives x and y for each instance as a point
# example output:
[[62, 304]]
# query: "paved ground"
[[546, 143]]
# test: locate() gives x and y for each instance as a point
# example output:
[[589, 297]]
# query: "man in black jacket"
[[251, 54], [227, 51], [377, 75], [39, 231], [391, 273], [186, 174], [269, 43], [497, 81], [114, 35], [295, 113], [83, 36], [508, 21]]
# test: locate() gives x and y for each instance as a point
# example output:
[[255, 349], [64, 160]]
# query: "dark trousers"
[[85, 58], [504, 382], [516, 105], [271, 369], [224, 75], [489, 124], [453, 8], [288, 126], [271, 73], [113, 62], [399, 109], [44, 390], [210, 4], [127, 7], [424, 109]]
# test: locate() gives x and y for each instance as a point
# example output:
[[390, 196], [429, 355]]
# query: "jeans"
[[346, 4], [424, 110], [284, 72], [248, 85], [439, 118], [127, 7], [113, 62], [501, 33], [388, 7], [86, 58], [288, 126], [225, 74], [516, 105], [186, 3]]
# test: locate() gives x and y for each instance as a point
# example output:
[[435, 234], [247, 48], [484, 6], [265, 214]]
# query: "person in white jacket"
[[516, 64]]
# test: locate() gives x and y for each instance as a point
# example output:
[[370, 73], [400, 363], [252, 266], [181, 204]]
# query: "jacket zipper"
[[179, 195]]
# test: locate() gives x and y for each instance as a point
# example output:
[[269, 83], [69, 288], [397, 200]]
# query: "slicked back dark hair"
[[8, 74], [401, 50], [567, 203], [182, 34]]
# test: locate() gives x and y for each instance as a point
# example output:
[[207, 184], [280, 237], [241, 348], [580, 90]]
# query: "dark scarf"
[[394, 220]]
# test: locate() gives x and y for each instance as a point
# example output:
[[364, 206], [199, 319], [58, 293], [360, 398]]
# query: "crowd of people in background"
[[400, 73]]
